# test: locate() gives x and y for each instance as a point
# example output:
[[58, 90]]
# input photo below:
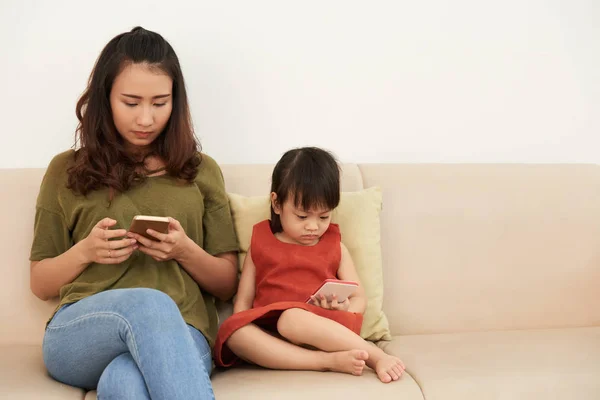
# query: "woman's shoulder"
[[210, 182], [207, 164], [57, 170], [61, 161], [54, 183], [209, 172]]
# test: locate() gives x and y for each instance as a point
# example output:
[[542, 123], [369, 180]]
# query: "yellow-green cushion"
[[358, 217]]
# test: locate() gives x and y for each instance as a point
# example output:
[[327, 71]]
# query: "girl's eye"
[[301, 216], [325, 217]]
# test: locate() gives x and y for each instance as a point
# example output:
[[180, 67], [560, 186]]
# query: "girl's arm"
[[347, 272], [247, 287]]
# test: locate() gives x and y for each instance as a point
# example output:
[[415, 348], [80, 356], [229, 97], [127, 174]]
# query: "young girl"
[[289, 258]]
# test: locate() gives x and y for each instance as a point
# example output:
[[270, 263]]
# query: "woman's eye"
[[131, 104], [160, 104]]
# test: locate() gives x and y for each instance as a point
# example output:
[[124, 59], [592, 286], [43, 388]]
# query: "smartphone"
[[140, 223], [342, 290]]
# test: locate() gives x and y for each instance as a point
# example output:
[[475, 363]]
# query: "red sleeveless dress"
[[286, 276]]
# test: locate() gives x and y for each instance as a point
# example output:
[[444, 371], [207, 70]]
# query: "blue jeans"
[[129, 344]]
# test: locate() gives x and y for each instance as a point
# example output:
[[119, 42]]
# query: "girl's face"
[[303, 227], [141, 103]]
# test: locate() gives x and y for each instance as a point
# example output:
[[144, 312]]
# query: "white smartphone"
[[140, 223], [342, 290]]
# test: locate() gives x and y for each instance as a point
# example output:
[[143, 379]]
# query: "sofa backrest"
[[465, 247], [23, 316], [489, 247]]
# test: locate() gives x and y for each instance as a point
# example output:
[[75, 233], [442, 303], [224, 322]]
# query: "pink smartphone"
[[342, 290]]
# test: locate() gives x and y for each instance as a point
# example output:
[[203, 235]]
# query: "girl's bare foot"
[[350, 362], [388, 368]]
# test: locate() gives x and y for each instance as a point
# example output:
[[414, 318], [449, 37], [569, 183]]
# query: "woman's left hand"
[[333, 305], [171, 246]]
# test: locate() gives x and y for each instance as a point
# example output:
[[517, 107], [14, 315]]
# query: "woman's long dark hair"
[[102, 160]]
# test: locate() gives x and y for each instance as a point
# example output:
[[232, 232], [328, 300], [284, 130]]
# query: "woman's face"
[[141, 100]]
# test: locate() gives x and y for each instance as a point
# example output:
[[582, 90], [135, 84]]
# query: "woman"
[[136, 317]]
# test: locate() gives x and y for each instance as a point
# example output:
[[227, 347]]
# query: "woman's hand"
[[322, 302], [170, 246], [98, 246]]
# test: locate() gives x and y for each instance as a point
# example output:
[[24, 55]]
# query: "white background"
[[374, 81]]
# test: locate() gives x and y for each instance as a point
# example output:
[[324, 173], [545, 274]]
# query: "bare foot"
[[388, 368], [349, 362]]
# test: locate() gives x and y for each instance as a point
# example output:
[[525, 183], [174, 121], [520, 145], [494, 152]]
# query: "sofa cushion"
[[23, 376], [358, 217], [256, 383], [528, 365]]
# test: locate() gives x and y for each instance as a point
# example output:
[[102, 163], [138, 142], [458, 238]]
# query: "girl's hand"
[[171, 246], [333, 305], [97, 247]]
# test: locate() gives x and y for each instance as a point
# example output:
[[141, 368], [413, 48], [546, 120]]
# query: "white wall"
[[374, 81]]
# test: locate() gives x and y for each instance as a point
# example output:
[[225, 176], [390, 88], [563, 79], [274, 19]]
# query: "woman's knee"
[[149, 305], [148, 298], [122, 379]]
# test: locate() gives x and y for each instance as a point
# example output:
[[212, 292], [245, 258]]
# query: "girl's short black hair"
[[311, 176]]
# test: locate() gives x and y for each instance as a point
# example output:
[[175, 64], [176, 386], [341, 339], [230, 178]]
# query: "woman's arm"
[[216, 274], [347, 272], [50, 274], [247, 288]]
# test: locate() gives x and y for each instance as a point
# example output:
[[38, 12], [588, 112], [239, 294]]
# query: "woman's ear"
[[275, 204]]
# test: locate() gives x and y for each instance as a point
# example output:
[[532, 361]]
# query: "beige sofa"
[[492, 287]]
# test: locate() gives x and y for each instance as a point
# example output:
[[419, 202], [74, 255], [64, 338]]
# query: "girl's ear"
[[275, 204]]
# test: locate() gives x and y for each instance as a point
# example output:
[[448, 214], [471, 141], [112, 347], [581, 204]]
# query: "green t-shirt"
[[63, 218]]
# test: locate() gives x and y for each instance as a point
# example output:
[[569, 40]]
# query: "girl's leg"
[[122, 378], [84, 338], [305, 328], [254, 345]]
